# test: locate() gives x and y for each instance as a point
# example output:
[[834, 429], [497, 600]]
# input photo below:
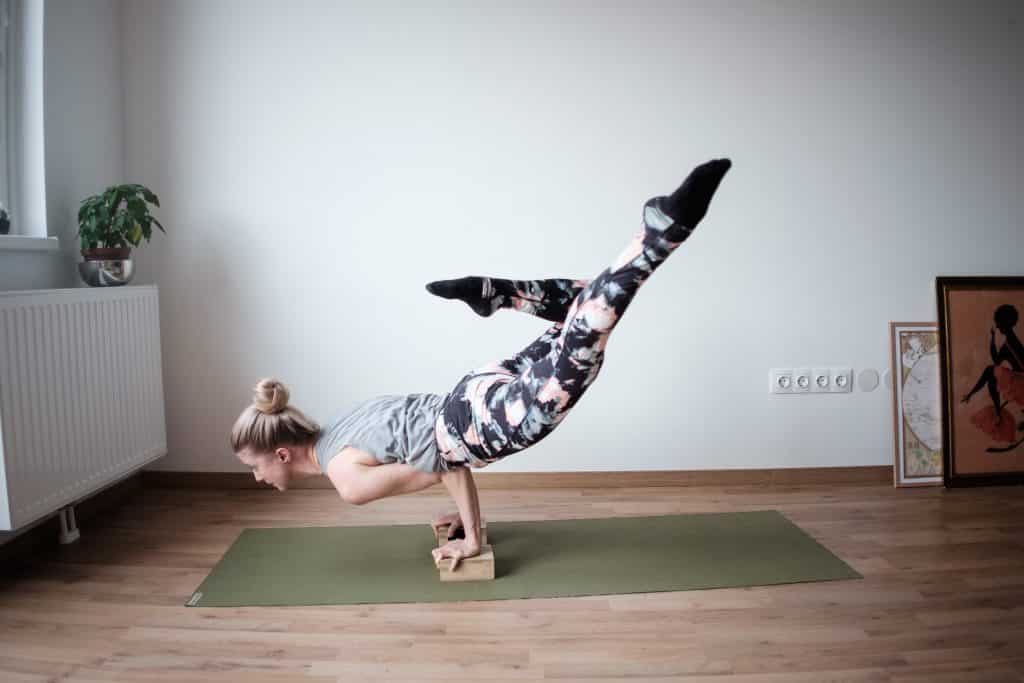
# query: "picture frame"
[[916, 404], [982, 379]]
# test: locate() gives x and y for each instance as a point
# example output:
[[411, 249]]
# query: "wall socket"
[[810, 380]]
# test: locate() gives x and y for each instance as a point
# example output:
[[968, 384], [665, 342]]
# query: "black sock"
[[548, 298], [475, 291], [688, 204]]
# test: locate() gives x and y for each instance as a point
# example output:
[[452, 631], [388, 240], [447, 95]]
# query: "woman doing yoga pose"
[[390, 445]]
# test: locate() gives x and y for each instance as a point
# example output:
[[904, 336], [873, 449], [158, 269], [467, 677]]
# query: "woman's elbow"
[[352, 495]]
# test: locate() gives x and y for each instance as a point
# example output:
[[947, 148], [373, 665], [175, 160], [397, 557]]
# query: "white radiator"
[[81, 395]]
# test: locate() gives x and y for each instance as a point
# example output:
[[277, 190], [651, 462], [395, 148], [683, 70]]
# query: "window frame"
[[24, 155], [6, 108]]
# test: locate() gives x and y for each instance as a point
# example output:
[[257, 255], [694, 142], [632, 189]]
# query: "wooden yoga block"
[[479, 568], [442, 534]]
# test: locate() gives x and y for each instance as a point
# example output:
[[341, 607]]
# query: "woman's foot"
[[688, 204], [475, 291]]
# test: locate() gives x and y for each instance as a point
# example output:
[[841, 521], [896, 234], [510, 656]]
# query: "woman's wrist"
[[473, 536], [462, 488]]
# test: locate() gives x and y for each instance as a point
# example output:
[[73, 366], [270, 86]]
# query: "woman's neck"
[[306, 464]]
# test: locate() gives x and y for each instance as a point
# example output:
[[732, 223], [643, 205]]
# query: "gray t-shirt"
[[390, 428]]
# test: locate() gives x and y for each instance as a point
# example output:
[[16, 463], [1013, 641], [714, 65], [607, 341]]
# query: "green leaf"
[[117, 229], [117, 217], [137, 208]]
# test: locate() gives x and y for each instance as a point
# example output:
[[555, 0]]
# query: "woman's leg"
[[464, 430], [549, 299], [521, 412], [493, 412], [539, 399], [459, 423], [985, 379]]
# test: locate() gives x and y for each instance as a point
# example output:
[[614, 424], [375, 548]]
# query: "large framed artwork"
[[916, 404], [982, 378]]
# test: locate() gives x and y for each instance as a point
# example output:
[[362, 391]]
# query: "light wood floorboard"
[[942, 598]]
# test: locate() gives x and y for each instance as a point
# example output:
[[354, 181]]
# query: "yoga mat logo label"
[[196, 597]]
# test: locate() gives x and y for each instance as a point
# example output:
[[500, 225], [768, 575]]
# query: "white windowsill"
[[24, 243]]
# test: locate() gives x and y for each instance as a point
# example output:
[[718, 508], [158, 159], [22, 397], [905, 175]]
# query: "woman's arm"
[[460, 484], [360, 479], [1006, 353]]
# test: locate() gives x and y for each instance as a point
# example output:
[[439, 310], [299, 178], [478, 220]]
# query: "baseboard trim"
[[873, 474]]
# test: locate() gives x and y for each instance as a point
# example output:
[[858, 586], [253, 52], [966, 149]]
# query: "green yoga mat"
[[555, 558]]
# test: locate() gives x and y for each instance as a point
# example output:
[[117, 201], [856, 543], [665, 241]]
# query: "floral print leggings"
[[508, 405]]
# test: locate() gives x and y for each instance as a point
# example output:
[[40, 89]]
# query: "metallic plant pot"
[[108, 273]]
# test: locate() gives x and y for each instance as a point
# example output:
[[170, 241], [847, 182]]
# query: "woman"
[[392, 445], [1002, 383]]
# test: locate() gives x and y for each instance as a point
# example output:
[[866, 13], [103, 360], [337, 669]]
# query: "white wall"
[[83, 121], [319, 163]]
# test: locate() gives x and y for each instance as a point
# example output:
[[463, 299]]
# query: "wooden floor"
[[942, 598]]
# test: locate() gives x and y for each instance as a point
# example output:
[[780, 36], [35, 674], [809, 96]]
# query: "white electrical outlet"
[[806, 381], [821, 381], [802, 381], [842, 380], [780, 381]]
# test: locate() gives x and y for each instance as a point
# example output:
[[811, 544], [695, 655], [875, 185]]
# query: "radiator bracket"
[[68, 527]]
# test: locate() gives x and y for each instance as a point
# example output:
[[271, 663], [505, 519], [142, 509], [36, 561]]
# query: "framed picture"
[[982, 377], [916, 404]]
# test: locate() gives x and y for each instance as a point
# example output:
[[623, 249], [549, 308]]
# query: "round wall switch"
[[868, 379]]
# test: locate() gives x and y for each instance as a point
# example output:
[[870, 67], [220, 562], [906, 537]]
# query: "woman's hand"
[[458, 550], [452, 520]]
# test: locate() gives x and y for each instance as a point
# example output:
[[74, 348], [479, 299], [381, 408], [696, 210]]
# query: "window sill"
[[24, 243]]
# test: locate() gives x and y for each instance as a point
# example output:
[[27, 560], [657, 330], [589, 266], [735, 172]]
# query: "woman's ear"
[[283, 454]]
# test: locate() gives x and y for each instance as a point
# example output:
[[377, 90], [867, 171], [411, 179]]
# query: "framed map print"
[[982, 370], [916, 404]]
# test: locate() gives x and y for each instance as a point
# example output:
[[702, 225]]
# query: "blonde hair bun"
[[270, 421], [270, 396]]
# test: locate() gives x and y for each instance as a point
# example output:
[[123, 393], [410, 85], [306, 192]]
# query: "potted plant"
[[113, 222], [109, 225]]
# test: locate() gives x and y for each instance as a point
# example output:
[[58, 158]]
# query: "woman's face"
[[267, 467]]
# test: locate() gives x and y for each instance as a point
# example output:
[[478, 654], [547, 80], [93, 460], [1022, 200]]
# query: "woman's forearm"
[[460, 484]]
